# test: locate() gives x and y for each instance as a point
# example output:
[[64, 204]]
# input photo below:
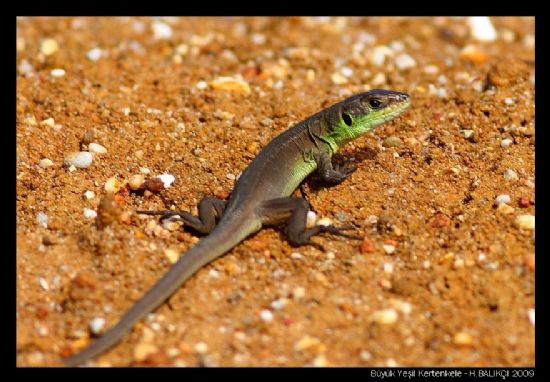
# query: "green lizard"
[[262, 197]]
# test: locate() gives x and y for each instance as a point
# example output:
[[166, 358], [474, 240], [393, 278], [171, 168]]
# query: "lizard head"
[[360, 113]]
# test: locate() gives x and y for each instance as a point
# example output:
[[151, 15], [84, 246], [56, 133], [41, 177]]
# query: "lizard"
[[262, 196]]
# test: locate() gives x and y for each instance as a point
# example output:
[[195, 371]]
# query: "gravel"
[[94, 54], [504, 198], [97, 325], [510, 175], [481, 28], [96, 148]]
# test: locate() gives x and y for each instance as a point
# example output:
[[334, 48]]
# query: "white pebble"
[[266, 315], [298, 292], [126, 111], [144, 170], [442, 79], [431, 69], [385, 316], [161, 31], [482, 29], [96, 325], [295, 255], [88, 195], [81, 159], [44, 163], [525, 222], [378, 55], [49, 46], [324, 221], [279, 303], [397, 46], [388, 248], [258, 38], [330, 255], [510, 175], [57, 72], [365, 355], [310, 219], [531, 316], [346, 71], [167, 179], [97, 148], [214, 274], [508, 101], [50, 122], [388, 267], [378, 79], [201, 85], [201, 347], [502, 199], [43, 283], [94, 54], [506, 142], [529, 41], [42, 219], [404, 61], [25, 67], [230, 176], [89, 214]]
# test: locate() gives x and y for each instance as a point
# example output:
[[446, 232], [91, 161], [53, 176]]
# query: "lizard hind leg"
[[210, 211], [294, 211]]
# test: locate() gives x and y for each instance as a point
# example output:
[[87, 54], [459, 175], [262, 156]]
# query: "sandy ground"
[[443, 277]]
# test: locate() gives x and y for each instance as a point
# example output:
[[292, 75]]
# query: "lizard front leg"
[[332, 174]]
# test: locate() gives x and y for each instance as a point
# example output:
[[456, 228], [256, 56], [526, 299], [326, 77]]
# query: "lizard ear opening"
[[347, 119]]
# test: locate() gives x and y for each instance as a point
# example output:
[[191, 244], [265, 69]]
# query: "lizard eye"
[[375, 103], [347, 119]]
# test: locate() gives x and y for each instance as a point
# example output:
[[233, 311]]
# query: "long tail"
[[222, 239]]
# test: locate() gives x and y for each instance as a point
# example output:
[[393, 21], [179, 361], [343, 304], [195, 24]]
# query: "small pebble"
[[295, 255], [49, 46], [392, 141], [57, 72], [531, 316], [136, 182], [385, 316], [379, 79], [510, 175], [279, 303], [94, 54], [180, 127], [48, 122], [298, 293], [167, 179], [505, 209], [506, 142], [230, 84], [378, 55], [50, 239], [388, 267], [473, 54], [25, 67], [509, 101], [309, 343], [330, 255], [45, 163], [504, 198], [144, 350], [310, 219], [346, 71], [81, 159], [404, 61], [42, 219], [172, 255], [258, 39], [324, 221], [463, 339], [482, 29], [161, 31], [89, 214], [201, 85], [431, 69], [365, 355], [96, 325], [388, 248], [113, 185], [338, 79], [43, 284], [524, 202], [214, 274], [201, 347], [266, 315], [88, 195], [96, 148], [524, 222]]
